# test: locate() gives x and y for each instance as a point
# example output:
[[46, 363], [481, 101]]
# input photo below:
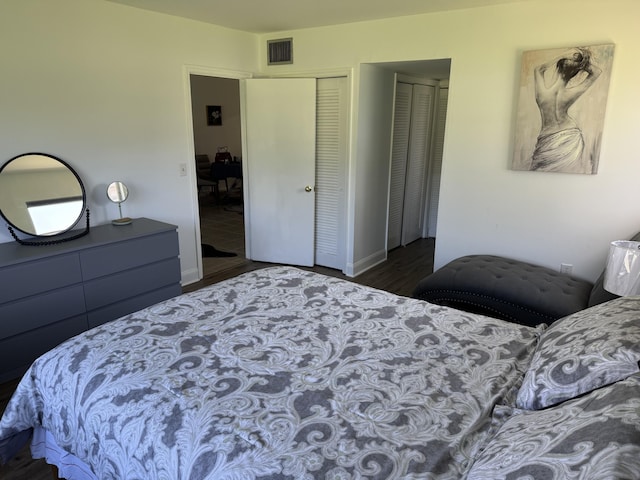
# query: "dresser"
[[51, 293]]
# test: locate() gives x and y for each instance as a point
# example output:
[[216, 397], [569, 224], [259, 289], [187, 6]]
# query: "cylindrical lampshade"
[[622, 276]]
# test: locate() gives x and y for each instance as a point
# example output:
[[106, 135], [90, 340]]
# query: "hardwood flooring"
[[22, 466], [403, 269], [399, 274], [222, 225]]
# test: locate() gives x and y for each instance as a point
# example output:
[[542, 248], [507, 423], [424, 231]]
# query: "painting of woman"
[[569, 89]]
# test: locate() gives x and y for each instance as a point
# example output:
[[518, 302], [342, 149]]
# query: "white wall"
[[485, 207], [371, 167], [102, 86]]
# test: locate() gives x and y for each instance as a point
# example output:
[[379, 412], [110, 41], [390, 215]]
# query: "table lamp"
[[622, 275]]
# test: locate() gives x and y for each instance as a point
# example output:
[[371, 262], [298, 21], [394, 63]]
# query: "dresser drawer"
[[130, 305], [34, 312], [120, 286], [17, 353], [129, 254], [48, 293], [31, 278]]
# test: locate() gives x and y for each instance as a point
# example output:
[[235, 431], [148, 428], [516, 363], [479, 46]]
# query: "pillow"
[[583, 351], [593, 437]]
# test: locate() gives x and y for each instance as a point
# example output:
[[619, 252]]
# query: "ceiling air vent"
[[280, 51]]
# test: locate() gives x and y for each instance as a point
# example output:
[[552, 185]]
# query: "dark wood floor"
[[403, 269], [399, 274]]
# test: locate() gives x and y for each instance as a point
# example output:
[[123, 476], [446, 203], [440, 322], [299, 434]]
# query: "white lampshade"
[[622, 276]]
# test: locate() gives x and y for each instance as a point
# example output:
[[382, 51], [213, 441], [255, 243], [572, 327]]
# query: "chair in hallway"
[[218, 171], [203, 173]]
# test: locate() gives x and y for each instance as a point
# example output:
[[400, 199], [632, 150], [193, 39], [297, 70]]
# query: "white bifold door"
[[295, 150], [410, 153]]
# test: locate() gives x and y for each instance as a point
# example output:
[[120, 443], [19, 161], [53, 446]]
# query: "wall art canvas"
[[561, 107], [214, 115]]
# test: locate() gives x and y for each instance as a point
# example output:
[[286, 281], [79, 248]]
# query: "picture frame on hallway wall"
[[561, 107], [214, 115]]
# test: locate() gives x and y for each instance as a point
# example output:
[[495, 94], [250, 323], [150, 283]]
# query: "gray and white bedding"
[[283, 373]]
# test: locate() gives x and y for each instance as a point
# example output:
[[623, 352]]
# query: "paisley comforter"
[[277, 373]]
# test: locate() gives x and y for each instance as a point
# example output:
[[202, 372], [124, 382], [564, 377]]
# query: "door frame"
[[189, 70], [426, 181]]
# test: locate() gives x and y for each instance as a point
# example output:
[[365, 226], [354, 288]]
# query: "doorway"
[[416, 160], [420, 107], [218, 147]]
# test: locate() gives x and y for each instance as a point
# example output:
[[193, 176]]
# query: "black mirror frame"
[[58, 237]]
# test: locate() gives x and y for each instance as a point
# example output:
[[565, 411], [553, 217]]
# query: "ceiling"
[[264, 16]]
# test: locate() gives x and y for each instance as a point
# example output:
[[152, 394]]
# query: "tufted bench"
[[509, 289]]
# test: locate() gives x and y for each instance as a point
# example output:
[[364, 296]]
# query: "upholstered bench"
[[509, 289]]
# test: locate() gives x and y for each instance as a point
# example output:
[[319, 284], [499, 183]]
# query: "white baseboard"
[[361, 266], [189, 276]]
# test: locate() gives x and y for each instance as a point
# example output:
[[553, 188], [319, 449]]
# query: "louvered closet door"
[[399, 153], [420, 131], [331, 158], [436, 162]]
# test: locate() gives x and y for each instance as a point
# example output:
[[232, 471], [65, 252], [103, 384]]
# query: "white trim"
[[192, 275], [336, 72], [402, 78], [216, 72], [361, 266]]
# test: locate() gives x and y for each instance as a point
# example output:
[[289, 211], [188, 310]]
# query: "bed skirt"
[[70, 467]]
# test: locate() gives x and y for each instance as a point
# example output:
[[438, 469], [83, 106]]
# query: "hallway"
[[222, 226]]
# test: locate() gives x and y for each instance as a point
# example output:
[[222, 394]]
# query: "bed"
[[289, 374]]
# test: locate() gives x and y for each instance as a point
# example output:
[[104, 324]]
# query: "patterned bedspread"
[[278, 373]]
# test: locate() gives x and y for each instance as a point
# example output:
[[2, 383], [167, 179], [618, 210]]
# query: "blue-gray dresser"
[[51, 293]]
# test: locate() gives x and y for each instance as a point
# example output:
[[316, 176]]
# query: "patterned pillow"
[[593, 437], [581, 352]]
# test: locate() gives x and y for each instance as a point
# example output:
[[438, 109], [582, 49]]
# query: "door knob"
[[308, 188]]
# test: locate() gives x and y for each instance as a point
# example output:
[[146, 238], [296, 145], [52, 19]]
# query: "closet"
[[416, 158]]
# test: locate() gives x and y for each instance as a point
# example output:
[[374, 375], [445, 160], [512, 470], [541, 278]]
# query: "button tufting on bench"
[[504, 288]]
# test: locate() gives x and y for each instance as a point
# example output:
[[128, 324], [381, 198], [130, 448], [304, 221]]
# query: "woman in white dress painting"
[[559, 83], [560, 116]]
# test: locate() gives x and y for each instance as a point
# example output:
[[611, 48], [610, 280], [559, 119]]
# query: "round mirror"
[[118, 193], [40, 195]]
